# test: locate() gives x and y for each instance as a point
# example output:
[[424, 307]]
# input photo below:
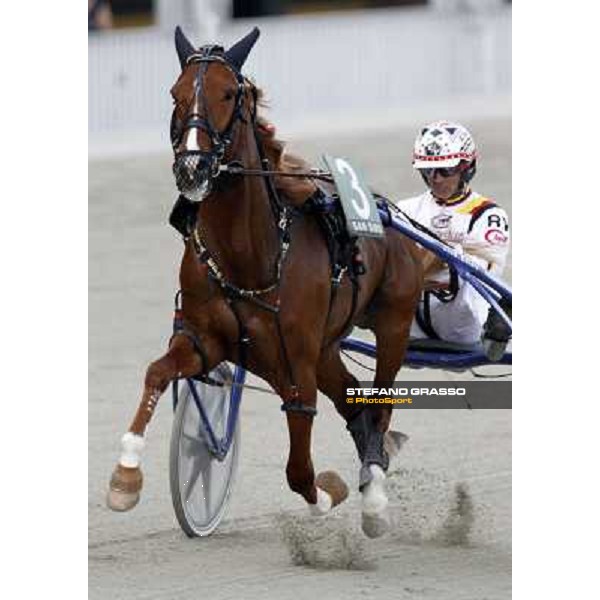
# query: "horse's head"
[[211, 96]]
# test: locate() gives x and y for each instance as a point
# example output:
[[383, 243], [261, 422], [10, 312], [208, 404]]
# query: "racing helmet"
[[444, 145]]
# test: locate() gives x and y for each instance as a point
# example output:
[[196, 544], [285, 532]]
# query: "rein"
[[235, 168]]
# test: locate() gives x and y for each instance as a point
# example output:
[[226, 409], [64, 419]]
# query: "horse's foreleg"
[[126, 481], [328, 488], [300, 472]]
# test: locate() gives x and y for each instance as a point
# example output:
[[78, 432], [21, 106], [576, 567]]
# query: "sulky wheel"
[[200, 481]]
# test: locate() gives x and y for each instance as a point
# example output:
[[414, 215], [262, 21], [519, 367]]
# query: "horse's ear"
[[183, 46], [238, 53]]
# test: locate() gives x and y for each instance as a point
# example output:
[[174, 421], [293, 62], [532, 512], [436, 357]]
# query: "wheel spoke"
[[198, 456], [193, 440], [196, 470]]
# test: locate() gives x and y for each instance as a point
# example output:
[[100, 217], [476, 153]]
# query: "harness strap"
[[448, 295], [244, 343], [243, 336], [179, 328], [442, 295], [233, 292], [336, 278], [298, 407], [342, 263], [354, 283], [286, 358], [424, 319]]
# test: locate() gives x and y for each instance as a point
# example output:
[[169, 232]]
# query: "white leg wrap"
[[132, 446], [323, 504], [374, 499]]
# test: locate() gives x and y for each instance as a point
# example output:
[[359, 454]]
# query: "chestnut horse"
[[256, 287]]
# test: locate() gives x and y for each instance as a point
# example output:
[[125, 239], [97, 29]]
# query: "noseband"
[[206, 165]]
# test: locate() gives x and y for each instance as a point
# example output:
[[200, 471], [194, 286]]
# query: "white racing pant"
[[460, 320]]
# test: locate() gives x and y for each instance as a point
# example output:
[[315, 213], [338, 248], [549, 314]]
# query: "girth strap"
[[243, 335]]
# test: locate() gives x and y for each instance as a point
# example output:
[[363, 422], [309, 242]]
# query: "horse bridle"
[[206, 164], [222, 139]]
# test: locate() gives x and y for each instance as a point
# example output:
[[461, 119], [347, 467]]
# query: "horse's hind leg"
[[126, 481], [333, 378], [391, 333], [367, 430]]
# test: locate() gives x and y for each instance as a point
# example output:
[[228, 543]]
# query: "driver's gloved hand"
[[496, 333], [183, 216]]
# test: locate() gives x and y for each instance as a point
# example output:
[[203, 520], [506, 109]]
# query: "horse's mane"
[[273, 147], [296, 189]]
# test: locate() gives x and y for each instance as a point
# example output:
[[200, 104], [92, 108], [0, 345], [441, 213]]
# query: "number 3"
[[362, 207]]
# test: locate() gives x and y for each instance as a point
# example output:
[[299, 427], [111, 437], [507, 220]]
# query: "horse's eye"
[[229, 95]]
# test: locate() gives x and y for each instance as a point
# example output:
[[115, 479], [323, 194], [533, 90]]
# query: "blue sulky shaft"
[[438, 359], [484, 283]]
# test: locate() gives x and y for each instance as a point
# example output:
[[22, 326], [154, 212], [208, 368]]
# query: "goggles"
[[444, 172]]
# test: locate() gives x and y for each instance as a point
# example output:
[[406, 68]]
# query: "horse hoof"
[[121, 501], [124, 490], [374, 504], [374, 525], [374, 499], [334, 485]]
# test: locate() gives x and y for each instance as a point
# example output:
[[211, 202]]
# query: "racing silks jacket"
[[473, 224]]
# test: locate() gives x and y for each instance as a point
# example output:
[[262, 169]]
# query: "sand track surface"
[[450, 487]]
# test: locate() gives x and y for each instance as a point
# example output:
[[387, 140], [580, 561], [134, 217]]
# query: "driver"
[[446, 157]]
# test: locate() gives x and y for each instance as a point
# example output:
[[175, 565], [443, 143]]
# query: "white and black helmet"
[[443, 145]]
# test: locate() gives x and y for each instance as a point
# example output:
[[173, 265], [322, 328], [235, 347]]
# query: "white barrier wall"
[[327, 66]]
